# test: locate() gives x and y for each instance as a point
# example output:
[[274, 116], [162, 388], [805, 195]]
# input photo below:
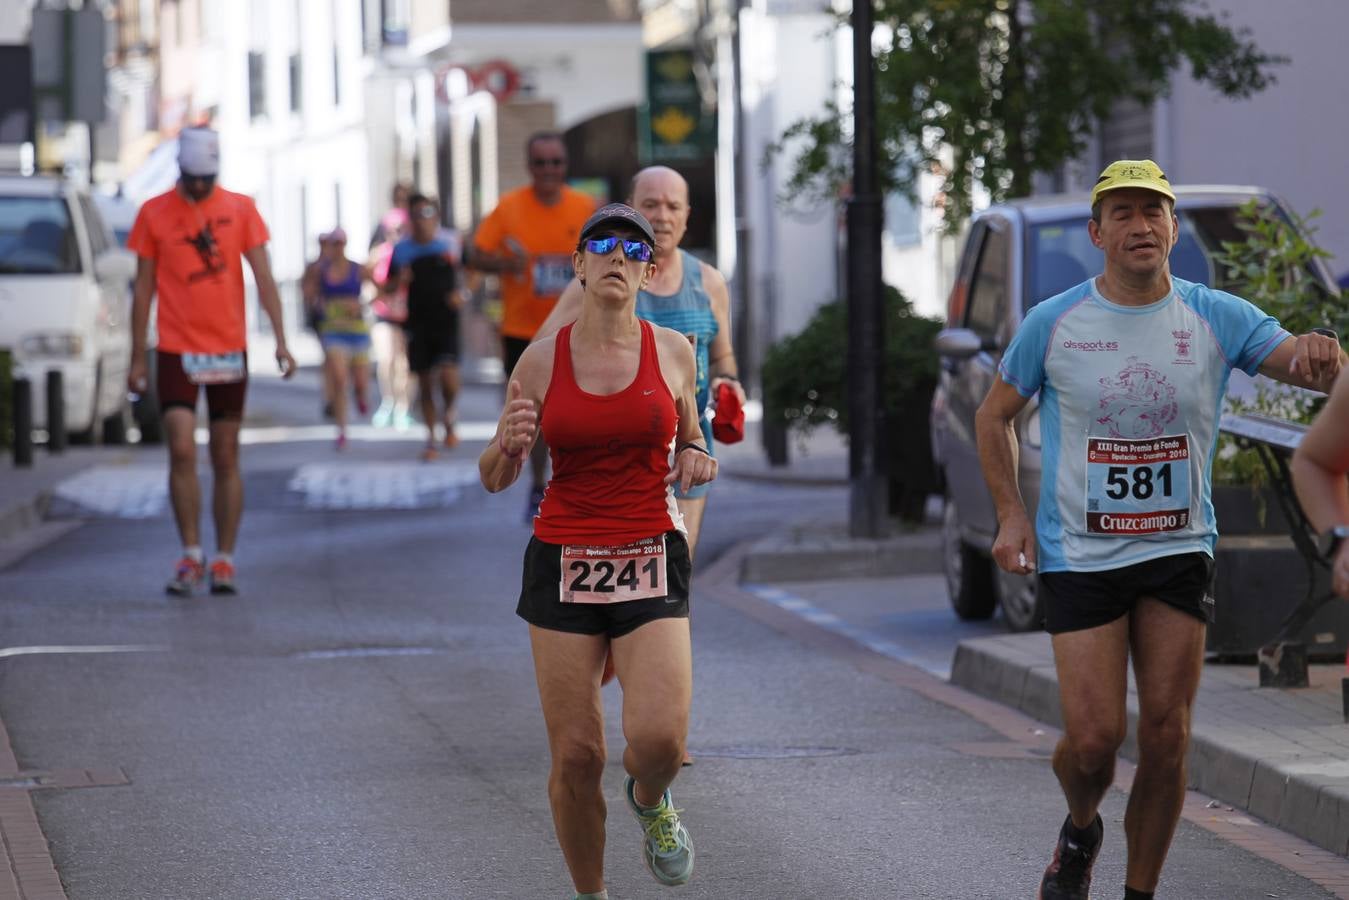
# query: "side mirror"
[[115, 266], [958, 343]]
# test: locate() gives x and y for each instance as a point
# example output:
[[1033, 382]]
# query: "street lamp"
[[868, 487]]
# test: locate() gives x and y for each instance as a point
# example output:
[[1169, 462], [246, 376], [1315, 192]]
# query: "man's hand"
[[1339, 571], [1316, 358], [285, 361], [138, 377], [692, 467], [1014, 549], [734, 383], [516, 259]]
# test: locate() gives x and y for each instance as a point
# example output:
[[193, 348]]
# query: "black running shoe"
[[1069, 874]]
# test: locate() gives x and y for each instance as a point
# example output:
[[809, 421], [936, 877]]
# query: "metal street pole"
[[868, 495]]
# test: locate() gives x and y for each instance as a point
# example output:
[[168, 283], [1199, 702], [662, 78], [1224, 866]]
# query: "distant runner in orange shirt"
[[190, 241], [529, 240]]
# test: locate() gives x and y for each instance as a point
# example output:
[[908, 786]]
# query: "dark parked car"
[[1016, 255]]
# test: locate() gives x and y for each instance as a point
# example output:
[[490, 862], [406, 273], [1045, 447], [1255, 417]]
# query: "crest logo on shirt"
[[1184, 341], [208, 250], [1137, 402]]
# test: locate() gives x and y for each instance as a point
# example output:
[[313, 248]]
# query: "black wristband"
[[691, 446], [1327, 332]]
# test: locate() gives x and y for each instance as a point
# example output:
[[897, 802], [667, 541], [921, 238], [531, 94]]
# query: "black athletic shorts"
[[174, 388], [541, 602], [512, 348], [433, 344], [1075, 601]]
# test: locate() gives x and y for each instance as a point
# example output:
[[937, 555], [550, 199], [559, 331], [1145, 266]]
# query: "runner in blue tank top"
[[685, 295], [1131, 368]]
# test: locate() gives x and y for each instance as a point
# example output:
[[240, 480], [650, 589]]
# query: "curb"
[[1284, 783], [816, 552], [24, 515]]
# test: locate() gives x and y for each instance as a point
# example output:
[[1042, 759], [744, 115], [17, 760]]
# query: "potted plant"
[[1274, 269], [805, 384]]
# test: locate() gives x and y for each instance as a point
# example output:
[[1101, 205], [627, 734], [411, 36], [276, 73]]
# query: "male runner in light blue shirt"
[[1131, 368]]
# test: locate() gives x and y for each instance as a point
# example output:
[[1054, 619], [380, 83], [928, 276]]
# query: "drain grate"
[[750, 751]]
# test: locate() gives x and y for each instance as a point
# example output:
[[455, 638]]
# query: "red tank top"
[[610, 455]]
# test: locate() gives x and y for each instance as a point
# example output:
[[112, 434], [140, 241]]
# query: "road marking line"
[[6, 652]]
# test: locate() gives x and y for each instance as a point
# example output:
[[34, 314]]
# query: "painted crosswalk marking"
[[382, 485], [124, 492]]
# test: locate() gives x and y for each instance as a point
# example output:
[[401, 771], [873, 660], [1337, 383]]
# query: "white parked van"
[[65, 303]]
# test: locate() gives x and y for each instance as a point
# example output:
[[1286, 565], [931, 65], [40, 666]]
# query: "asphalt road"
[[362, 721]]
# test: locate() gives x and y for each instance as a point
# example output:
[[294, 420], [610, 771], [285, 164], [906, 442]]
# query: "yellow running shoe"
[[667, 848]]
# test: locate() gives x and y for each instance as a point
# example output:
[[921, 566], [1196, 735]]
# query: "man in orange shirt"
[[190, 242], [529, 240]]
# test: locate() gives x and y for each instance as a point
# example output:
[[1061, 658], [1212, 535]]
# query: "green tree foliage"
[[805, 382], [989, 92], [805, 376]]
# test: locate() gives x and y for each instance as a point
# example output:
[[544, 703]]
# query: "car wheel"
[[1019, 601], [969, 576]]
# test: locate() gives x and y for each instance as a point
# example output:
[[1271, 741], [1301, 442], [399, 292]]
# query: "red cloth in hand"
[[728, 425]]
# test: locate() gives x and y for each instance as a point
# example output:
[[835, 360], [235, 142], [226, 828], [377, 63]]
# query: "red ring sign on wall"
[[497, 77]]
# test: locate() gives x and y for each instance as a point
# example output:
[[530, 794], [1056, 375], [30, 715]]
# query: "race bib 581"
[[1137, 487]]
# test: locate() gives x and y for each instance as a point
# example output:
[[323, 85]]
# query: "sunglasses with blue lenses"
[[636, 250]]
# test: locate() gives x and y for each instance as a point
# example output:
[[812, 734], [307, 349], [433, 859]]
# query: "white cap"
[[199, 151]]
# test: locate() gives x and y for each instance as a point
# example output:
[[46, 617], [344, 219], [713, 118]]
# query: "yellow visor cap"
[[1132, 173]]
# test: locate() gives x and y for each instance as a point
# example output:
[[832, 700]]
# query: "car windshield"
[[1062, 254], [36, 237]]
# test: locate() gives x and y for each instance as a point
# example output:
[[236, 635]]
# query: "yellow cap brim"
[[1145, 185]]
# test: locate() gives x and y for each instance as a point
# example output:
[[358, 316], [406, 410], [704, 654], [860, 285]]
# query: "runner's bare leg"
[[180, 424], [227, 501]]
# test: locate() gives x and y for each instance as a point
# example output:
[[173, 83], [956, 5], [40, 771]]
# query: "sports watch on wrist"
[[1331, 540]]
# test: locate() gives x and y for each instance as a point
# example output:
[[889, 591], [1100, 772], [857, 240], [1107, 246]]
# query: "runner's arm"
[[693, 464], [1319, 468], [1322, 461], [142, 294], [998, 453], [1310, 361], [512, 262], [504, 457], [565, 311], [721, 364], [271, 304], [309, 287]]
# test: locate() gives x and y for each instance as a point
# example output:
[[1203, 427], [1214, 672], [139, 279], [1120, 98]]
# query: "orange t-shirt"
[[549, 235], [198, 251]]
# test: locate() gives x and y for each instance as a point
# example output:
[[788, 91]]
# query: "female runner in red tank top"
[[608, 566]]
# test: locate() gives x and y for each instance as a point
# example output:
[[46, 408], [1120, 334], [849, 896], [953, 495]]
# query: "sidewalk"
[[24, 493], [1281, 755]]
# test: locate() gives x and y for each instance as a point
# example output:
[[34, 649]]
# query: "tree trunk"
[[1014, 100]]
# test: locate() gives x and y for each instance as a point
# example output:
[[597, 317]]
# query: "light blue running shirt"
[[1129, 404], [689, 312]]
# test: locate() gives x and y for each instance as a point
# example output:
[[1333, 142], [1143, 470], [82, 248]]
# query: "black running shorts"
[[224, 402], [1075, 601], [512, 348], [541, 603], [433, 345]]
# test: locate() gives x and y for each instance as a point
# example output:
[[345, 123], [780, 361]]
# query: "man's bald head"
[[662, 195]]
